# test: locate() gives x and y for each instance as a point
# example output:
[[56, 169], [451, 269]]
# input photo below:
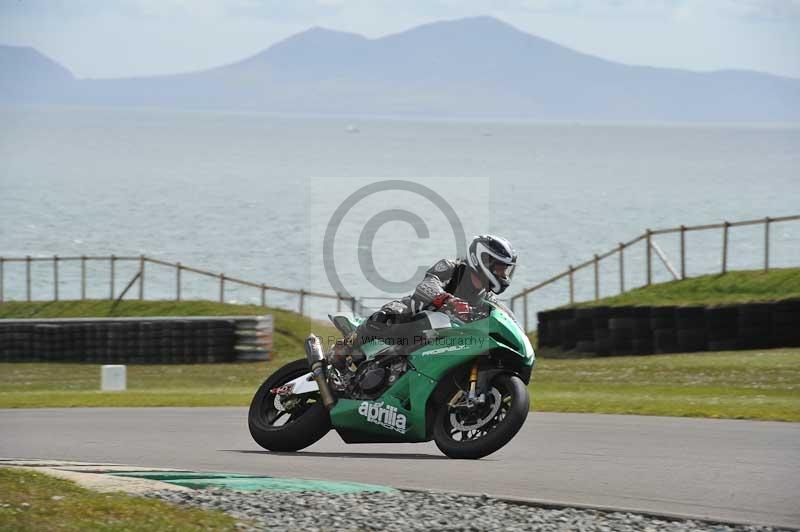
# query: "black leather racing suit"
[[451, 276]]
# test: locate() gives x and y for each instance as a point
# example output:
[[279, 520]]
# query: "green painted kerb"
[[241, 482]]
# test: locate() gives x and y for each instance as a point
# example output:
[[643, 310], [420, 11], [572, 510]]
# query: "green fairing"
[[408, 395], [399, 414]]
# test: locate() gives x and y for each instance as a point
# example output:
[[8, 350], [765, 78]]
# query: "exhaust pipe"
[[316, 361]]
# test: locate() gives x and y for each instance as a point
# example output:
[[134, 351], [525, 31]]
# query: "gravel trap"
[[404, 511]]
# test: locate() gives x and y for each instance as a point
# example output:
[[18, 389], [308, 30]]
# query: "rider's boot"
[[347, 352]]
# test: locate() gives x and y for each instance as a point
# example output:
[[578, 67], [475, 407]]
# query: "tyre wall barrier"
[[180, 340], [643, 330]]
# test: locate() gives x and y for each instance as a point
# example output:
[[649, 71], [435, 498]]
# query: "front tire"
[[291, 429], [473, 435]]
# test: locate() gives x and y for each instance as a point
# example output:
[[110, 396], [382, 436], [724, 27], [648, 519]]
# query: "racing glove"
[[460, 308], [440, 300], [456, 305]]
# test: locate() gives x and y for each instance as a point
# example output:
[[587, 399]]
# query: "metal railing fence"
[[651, 248], [138, 280], [357, 305]]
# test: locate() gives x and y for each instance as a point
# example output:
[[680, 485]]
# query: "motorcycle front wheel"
[[479, 431], [289, 423]]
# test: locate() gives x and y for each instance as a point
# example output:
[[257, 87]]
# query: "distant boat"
[[352, 129]]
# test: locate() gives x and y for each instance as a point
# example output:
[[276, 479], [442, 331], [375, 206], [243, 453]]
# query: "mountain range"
[[474, 68]]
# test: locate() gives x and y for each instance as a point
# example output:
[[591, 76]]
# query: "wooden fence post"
[[338, 302], [621, 268], [596, 277], [113, 263], [141, 277], [525, 312], [222, 288], [767, 220], [649, 258], [83, 277], [28, 277], [353, 305], [1, 279], [178, 269], [571, 285], [302, 301], [683, 252], [725, 246], [55, 277], [263, 295]]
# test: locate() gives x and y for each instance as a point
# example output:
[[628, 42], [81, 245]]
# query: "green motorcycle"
[[461, 383]]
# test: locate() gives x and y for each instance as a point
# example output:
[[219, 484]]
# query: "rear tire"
[[513, 411], [311, 423]]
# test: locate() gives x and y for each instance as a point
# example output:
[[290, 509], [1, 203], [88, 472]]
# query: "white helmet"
[[493, 259]]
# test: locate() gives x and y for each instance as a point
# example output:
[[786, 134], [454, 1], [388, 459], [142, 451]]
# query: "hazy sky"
[[111, 38]]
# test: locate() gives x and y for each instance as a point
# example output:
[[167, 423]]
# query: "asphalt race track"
[[742, 471]]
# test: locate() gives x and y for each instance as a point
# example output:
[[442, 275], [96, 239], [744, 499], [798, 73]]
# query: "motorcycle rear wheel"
[[487, 429], [291, 429]]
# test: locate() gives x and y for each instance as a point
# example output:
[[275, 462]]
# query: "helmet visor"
[[501, 270]]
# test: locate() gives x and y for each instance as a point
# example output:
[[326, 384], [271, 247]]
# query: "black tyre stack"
[[620, 325], [46, 341], [543, 329], [584, 330], [160, 342], [149, 340], [180, 346], [8, 343], [74, 338], [195, 337], [91, 348], [144, 347], [785, 324], [665, 334], [602, 334], [642, 343], [691, 325], [569, 338], [753, 325], [253, 338], [220, 338], [6, 340], [557, 328], [722, 328], [669, 329]]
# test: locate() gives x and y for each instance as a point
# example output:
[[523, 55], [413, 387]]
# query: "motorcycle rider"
[[452, 285]]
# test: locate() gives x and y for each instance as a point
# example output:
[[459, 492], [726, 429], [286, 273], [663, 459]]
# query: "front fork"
[[473, 381], [473, 398]]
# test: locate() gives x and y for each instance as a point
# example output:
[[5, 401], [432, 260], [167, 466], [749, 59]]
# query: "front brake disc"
[[457, 424]]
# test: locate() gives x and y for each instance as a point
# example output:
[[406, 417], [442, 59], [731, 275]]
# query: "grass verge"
[[34, 501], [732, 287], [758, 384]]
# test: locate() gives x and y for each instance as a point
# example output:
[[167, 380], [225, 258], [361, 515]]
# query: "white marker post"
[[113, 378]]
